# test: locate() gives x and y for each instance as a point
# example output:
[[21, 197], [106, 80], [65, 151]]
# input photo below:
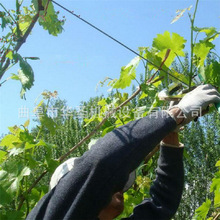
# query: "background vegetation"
[[29, 157]]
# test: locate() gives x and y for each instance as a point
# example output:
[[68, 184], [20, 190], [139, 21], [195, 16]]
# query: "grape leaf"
[[165, 41], [202, 211], [174, 42], [49, 124], [180, 76], [9, 55], [151, 55], [201, 51], [24, 22], [9, 140], [5, 197], [128, 73], [211, 32], [25, 75], [49, 19], [2, 155], [212, 75]]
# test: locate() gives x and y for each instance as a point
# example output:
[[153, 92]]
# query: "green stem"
[[192, 44], [180, 62]]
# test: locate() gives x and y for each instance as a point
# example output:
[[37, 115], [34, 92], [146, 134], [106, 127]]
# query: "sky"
[[75, 61]]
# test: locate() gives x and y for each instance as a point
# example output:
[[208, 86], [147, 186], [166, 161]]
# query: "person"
[[93, 188]]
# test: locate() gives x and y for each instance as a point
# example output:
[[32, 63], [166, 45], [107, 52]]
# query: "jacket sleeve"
[[103, 170], [166, 190]]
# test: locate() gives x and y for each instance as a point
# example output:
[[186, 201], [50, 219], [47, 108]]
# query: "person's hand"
[[195, 103], [171, 140]]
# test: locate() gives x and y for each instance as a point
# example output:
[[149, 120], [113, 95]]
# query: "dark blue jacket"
[[104, 170]]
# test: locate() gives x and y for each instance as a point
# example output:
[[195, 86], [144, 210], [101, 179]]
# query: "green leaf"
[[211, 32], [180, 76], [212, 75], [2, 155], [90, 120], [150, 90], [25, 136], [49, 20], [9, 140], [107, 130], [15, 214], [15, 130], [203, 210], [128, 73], [14, 77], [102, 102], [29, 146], [10, 55], [5, 196], [3, 174], [217, 164], [174, 42], [51, 164], [14, 186], [25, 172], [25, 75], [24, 22], [143, 95], [201, 51], [32, 162], [49, 124], [151, 55], [41, 143]]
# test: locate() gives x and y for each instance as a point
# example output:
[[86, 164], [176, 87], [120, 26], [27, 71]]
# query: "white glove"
[[194, 102]]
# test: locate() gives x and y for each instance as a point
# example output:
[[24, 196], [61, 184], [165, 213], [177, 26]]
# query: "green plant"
[[16, 26]]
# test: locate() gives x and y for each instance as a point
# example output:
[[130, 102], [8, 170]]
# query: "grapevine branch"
[[95, 130]]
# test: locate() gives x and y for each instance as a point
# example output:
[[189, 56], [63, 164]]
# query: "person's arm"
[[103, 170], [166, 190]]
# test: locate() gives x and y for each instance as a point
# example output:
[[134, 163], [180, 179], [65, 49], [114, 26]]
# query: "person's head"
[[114, 208]]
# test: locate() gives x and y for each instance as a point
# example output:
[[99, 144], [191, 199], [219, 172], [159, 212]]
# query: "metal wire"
[[128, 48]]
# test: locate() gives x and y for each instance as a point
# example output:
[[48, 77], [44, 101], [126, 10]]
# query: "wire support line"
[[117, 41]]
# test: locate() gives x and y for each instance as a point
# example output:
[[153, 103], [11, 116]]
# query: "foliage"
[[202, 150], [18, 25], [26, 157], [23, 158]]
